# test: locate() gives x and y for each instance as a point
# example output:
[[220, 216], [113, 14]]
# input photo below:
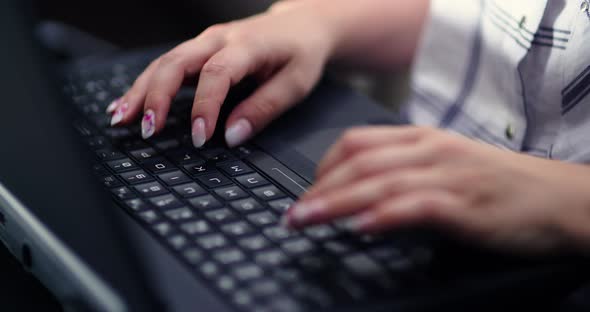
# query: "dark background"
[[133, 24]]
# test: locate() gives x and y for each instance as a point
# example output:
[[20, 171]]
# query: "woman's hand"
[[286, 47], [387, 177]]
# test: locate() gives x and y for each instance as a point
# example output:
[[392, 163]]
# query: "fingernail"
[[238, 133], [148, 124], [302, 213], [119, 114], [111, 108], [362, 222], [198, 134]]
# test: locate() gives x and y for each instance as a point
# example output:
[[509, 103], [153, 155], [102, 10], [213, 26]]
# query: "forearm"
[[379, 34]]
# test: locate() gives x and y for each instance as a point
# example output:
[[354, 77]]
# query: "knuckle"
[[170, 59], [156, 99], [214, 30], [214, 68], [351, 141], [300, 84], [264, 107]]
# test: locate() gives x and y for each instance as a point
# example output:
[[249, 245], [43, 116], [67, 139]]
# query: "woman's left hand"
[[387, 177]]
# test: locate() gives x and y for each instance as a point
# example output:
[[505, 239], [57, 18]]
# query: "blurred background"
[[131, 24]]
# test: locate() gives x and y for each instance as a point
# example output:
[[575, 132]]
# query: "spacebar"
[[279, 173]]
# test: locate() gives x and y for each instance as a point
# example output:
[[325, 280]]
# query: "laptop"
[[109, 222]]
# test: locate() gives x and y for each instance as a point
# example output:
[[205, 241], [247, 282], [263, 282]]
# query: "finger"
[[355, 197], [422, 207], [282, 91], [371, 163], [224, 69], [131, 103], [360, 139], [174, 67]]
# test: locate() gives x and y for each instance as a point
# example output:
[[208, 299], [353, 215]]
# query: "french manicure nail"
[[148, 124], [119, 114], [198, 133], [111, 108], [238, 133], [303, 213]]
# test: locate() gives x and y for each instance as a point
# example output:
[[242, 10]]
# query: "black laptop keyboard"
[[219, 211]]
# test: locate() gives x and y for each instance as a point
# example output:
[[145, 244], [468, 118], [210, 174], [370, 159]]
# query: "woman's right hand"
[[287, 47]]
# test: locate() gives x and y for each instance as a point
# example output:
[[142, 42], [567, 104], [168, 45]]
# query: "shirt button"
[[509, 132]]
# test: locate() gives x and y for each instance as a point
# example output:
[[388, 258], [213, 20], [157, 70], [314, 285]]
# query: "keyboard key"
[[231, 193], [184, 156], [246, 205], [158, 165], [163, 229], [135, 177], [149, 216], [195, 227], [320, 232], [271, 258], [221, 215], [189, 190], [235, 168], [243, 300], [123, 193], [362, 265], [247, 272], [151, 189], [254, 243], [226, 283], [229, 256], [237, 228], [212, 241], [209, 269], [243, 151], [205, 202], [136, 204], [262, 218], [281, 205], [167, 201], [278, 233], [268, 193], [198, 168], [252, 180], [298, 246], [174, 178], [110, 181], [214, 180], [143, 154], [178, 241], [109, 154], [121, 165], [192, 256], [179, 214], [337, 247], [264, 288], [209, 153]]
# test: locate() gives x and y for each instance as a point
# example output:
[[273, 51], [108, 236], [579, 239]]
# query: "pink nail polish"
[[148, 124], [238, 133], [111, 108], [199, 135], [119, 114]]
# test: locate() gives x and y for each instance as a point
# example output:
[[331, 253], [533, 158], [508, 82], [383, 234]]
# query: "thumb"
[[290, 85]]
